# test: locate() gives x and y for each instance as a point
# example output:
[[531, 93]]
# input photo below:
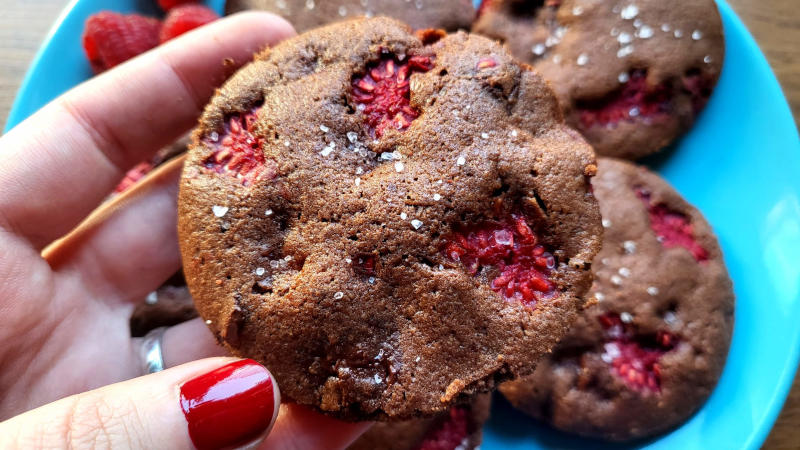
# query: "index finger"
[[62, 161]]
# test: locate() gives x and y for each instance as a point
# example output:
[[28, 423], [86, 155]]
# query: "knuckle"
[[95, 421]]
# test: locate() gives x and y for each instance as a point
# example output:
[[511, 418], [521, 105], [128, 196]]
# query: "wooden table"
[[774, 23]]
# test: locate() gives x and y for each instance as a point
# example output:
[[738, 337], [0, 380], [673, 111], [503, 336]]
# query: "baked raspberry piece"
[[454, 430], [647, 355], [110, 38], [458, 428], [522, 264], [390, 190], [383, 92], [635, 357], [673, 229], [139, 171], [238, 152], [631, 77], [133, 176], [634, 101], [184, 18]]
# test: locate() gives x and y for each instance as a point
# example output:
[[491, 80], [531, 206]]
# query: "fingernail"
[[229, 407]]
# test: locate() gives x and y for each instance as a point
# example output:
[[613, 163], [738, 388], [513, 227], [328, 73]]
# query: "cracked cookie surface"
[[326, 258]]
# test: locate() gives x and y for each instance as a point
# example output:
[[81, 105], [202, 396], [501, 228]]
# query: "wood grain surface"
[[774, 23]]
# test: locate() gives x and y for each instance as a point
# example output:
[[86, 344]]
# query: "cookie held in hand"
[[390, 222]]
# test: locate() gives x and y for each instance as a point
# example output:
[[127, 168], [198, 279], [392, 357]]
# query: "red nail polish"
[[230, 406]]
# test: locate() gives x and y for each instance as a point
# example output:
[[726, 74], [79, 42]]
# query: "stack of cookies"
[[397, 220]]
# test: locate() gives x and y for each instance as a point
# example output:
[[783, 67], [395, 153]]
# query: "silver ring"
[[152, 357]]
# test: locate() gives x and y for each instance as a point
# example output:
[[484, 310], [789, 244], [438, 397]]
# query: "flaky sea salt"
[[629, 12], [629, 246], [219, 211], [152, 298]]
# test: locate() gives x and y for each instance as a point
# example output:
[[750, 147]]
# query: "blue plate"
[[738, 165]]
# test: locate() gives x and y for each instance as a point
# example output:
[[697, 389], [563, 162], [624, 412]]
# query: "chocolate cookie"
[[459, 428], [631, 76], [168, 305], [390, 223], [449, 15], [649, 353]]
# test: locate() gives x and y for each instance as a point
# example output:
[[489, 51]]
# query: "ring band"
[[152, 356]]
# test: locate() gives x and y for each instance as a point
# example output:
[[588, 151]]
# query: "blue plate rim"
[[774, 406]]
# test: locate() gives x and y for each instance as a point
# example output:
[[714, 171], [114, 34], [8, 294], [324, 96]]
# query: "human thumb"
[[207, 404]]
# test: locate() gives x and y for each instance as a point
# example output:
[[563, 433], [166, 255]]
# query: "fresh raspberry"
[[167, 5], [450, 434], [634, 357], [634, 100], [510, 245], [110, 39], [383, 93], [672, 228], [484, 5], [133, 176], [239, 152], [185, 18]]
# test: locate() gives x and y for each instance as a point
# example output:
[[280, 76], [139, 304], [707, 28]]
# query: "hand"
[[66, 293]]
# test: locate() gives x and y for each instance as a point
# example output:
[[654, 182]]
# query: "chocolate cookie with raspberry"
[[631, 76], [390, 222], [168, 305], [459, 428], [649, 353], [450, 15]]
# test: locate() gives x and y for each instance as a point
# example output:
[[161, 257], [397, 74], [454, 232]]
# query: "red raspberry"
[[482, 7], [634, 357], [133, 176], [450, 434], [110, 39], [239, 152], [383, 92], [672, 228], [510, 246], [167, 5], [185, 18], [635, 100]]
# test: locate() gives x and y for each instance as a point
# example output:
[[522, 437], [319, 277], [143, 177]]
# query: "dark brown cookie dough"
[[168, 305], [450, 15], [459, 428], [649, 353], [630, 75], [390, 224]]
